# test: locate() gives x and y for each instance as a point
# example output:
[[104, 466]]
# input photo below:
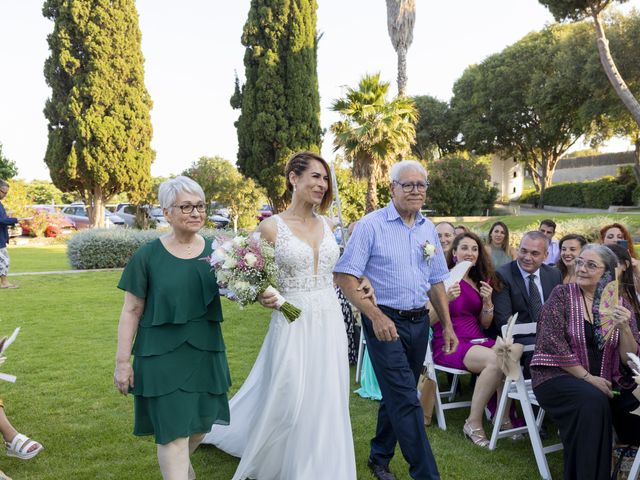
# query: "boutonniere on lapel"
[[428, 251]]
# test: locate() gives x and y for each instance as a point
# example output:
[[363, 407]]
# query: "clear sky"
[[192, 49]]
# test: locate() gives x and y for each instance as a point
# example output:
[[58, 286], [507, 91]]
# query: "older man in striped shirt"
[[398, 250]]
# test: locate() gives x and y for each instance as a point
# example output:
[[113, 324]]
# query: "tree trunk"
[[636, 159], [96, 208], [279, 204], [612, 72], [235, 222], [402, 71], [372, 194], [541, 174]]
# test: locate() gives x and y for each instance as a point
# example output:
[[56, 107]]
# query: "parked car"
[[78, 214], [219, 221], [265, 212], [127, 212], [56, 223]]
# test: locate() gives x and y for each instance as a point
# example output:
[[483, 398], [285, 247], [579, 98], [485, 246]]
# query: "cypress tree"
[[280, 104], [98, 113]]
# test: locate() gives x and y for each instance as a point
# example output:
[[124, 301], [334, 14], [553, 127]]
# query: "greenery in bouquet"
[[245, 266]]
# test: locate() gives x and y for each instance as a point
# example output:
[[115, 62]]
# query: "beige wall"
[[507, 176]]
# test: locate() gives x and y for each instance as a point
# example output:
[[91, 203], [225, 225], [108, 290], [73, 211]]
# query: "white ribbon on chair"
[[634, 363], [509, 353]]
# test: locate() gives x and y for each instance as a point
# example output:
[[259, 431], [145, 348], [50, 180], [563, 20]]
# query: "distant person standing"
[[498, 245], [5, 222], [548, 227]]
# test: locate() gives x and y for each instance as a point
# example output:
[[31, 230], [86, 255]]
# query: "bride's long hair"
[[298, 164]]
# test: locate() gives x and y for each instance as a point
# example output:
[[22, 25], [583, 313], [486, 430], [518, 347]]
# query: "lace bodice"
[[295, 258]]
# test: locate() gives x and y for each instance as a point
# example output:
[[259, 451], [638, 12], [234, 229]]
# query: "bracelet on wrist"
[[488, 310]]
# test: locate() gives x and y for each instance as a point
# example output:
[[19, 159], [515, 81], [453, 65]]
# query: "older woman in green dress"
[[179, 376]]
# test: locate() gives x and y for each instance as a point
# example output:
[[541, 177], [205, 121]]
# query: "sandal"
[[476, 435], [507, 425], [20, 446]]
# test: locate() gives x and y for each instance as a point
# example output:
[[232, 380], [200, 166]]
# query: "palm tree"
[[373, 132], [401, 16]]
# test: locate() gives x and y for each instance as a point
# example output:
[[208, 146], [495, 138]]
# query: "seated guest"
[[498, 245], [616, 233], [570, 247], [446, 234], [548, 227], [576, 367], [471, 310], [460, 229], [527, 284], [625, 276]]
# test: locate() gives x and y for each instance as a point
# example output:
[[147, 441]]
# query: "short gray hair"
[[171, 188], [400, 167], [3, 183], [537, 235], [609, 258]]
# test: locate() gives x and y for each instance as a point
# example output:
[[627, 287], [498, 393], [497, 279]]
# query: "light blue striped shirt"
[[390, 254]]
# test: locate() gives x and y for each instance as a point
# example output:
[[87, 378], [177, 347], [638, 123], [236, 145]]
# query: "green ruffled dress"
[[180, 366]]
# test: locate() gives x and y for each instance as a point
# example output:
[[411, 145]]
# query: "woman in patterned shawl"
[[577, 367]]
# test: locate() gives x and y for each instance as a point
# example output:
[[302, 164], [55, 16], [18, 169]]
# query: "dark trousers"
[[400, 419], [583, 415]]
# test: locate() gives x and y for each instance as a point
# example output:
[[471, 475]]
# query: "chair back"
[[521, 329]]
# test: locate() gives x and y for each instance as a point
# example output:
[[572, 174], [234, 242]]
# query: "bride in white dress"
[[290, 419]]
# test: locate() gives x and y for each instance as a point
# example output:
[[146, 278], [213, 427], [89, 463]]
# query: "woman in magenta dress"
[[471, 310]]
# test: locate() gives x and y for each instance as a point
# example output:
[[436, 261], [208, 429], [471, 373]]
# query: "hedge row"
[[594, 194], [112, 248]]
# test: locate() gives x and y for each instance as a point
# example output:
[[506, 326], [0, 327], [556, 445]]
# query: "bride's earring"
[[294, 188]]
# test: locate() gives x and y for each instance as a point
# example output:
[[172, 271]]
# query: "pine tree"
[[99, 123], [280, 104]]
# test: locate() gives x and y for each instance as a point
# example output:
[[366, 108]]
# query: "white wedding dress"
[[290, 419]]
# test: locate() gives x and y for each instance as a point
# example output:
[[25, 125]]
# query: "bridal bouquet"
[[245, 265]]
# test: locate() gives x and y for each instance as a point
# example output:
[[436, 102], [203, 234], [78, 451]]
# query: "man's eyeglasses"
[[188, 208], [409, 187], [589, 265]]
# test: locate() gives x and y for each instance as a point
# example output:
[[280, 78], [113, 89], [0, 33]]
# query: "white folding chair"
[[635, 468], [450, 394], [522, 391]]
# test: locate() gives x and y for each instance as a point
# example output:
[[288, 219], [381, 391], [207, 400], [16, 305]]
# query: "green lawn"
[[521, 221], [64, 396], [38, 259]]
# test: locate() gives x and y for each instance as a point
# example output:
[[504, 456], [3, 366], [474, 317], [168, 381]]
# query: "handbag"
[[427, 391], [622, 457]]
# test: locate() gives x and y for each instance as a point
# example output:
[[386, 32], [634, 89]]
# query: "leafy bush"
[[38, 223], [460, 186], [599, 193], [530, 196], [112, 248], [635, 197]]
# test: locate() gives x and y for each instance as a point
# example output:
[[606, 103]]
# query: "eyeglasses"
[[590, 266], [409, 187], [189, 208]]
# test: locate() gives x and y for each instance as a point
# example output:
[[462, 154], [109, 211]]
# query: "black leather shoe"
[[544, 434], [380, 472]]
